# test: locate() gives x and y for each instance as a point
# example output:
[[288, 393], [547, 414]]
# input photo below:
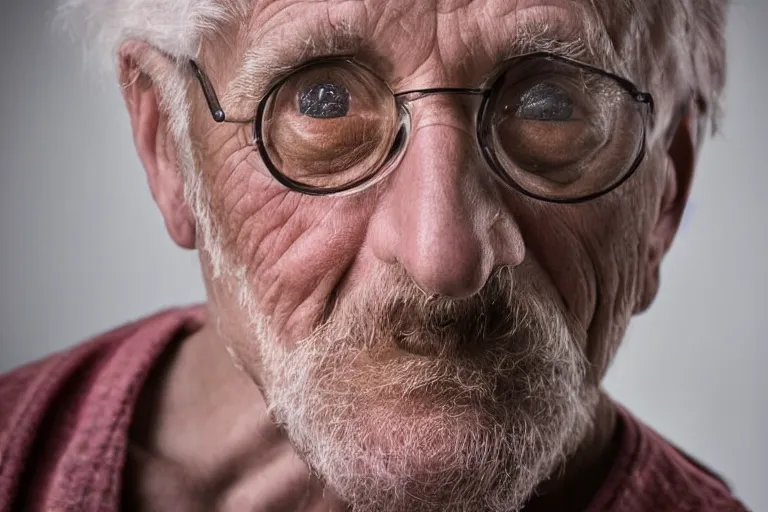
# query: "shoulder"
[[33, 386], [28, 391], [654, 475], [48, 406]]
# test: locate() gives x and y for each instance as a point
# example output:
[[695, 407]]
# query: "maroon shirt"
[[64, 429]]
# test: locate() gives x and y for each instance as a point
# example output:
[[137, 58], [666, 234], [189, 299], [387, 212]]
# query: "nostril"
[[446, 269]]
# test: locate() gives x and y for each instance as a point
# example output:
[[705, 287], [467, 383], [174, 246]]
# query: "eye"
[[545, 102], [558, 128], [324, 101], [546, 124], [330, 124]]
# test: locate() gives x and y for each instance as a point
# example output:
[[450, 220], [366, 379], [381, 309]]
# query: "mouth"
[[416, 344], [453, 336]]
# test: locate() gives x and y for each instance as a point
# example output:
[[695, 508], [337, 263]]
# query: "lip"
[[405, 345]]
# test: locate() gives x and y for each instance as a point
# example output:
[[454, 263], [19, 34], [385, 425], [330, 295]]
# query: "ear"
[[153, 139], [681, 160]]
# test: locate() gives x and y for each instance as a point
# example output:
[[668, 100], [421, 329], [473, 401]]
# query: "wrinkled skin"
[[440, 215]]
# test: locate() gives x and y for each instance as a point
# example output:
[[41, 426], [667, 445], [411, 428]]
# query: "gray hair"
[[177, 28], [675, 48]]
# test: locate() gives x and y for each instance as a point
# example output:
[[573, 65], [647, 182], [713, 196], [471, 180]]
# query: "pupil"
[[324, 101], [545, 102]]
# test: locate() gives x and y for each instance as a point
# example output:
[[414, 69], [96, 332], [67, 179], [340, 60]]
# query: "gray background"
[[83, 248]]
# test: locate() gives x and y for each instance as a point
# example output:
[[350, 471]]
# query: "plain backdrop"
[[83, 248]]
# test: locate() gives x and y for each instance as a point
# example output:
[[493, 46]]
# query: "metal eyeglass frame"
[[482, 129]]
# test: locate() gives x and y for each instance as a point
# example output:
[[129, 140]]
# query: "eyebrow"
[[273, 55], [589, 47], [579, 33], [279, 51]]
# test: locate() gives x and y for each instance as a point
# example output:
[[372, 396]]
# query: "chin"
[[427, 433]]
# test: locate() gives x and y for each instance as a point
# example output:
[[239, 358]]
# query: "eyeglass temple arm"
[[218, 113], [210, 95]]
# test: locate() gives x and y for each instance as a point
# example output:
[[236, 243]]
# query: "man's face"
[[438, 331]]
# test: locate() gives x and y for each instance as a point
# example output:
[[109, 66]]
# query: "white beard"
[[475, 425]]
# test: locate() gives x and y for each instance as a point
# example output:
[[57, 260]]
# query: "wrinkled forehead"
[[412, 42]]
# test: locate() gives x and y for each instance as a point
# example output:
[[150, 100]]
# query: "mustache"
[[489, 350], [431, 325]]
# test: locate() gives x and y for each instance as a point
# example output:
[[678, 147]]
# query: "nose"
[[441, 215]]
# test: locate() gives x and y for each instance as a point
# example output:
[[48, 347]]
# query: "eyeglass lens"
[[552, 128]]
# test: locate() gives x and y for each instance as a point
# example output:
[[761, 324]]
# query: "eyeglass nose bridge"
[[405, 98], [417, 94]]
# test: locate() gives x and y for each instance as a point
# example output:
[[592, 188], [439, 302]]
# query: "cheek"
[[591, 253], [552, 239], [617, 253], [292, 249]]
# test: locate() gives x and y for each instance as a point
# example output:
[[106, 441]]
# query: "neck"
[[208, 424], [203, 429]]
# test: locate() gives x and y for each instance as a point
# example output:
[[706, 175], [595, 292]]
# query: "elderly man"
[[423, 225]]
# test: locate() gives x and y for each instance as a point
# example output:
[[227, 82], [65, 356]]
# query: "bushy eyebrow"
[[588, 45], [278, 51]]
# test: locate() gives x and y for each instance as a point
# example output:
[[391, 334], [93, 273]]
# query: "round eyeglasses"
[[550, 127]]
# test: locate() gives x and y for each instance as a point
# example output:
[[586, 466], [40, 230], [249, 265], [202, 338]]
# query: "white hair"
[[177, 28], [690, 30], [677, 49]]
